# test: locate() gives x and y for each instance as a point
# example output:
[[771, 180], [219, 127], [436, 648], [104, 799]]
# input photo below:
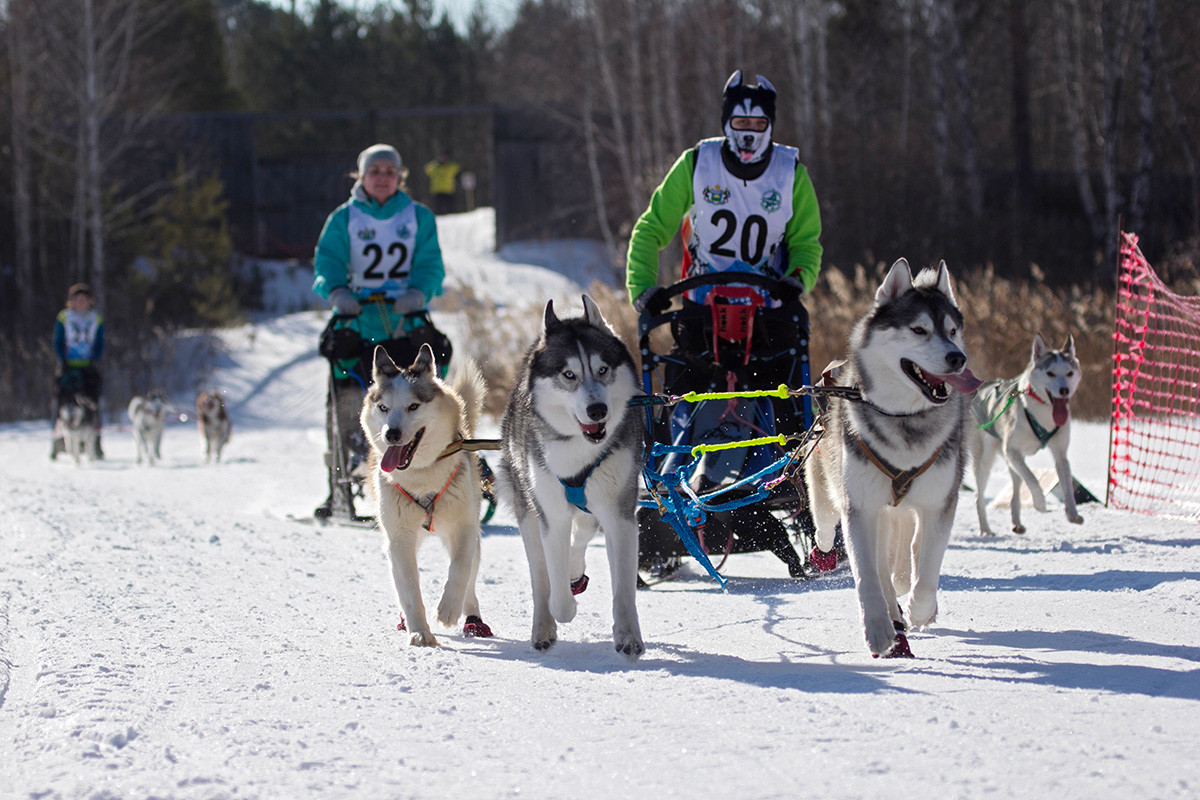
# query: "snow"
[[171, 632]]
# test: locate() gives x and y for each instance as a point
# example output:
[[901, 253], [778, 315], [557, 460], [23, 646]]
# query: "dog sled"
[[350, 357], [724, 470]]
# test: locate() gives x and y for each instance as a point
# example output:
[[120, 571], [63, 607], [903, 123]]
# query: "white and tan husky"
[[148, 416], [424, 484]]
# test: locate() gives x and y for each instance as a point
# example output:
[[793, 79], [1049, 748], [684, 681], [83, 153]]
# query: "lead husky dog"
[[423, 482], [149, 416], [78, 425], [1020, 416], [571, 453], [889, 466], [214, 424]]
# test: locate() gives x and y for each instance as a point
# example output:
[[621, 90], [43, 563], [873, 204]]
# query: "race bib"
[[381, 251]]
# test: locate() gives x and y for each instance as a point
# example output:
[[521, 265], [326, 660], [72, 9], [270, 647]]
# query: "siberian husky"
[[149, 416], [423, 482], [214, 424], [78, 425], [1020, 416], [571, 449], [889, 466]]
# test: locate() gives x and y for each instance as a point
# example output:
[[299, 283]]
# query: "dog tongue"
[[964, 381], [1060, 410], [391, 457], [592, 428]]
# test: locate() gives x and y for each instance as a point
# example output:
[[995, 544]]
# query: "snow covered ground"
[[170, 632]]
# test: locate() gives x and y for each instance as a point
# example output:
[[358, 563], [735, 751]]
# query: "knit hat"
[[379, 152], [79, 288]]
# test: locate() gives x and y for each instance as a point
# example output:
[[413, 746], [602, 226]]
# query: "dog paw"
[[824, 562], [1075, 520], [1018, 528], [423, 639], [922, 614], [544, 637], [881, 634], [475, 626], [629, 644]]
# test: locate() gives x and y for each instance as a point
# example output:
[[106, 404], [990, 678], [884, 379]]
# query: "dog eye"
[[1050, 374], [568, 374], [414, 407], [603, 370], [919, 330], [383, 409]]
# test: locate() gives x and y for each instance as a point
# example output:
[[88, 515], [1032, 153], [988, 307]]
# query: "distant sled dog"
[[571, 449], [148, 416], [213, 421], [888, 467], [1020, 416], [423, 483], [78, 424]]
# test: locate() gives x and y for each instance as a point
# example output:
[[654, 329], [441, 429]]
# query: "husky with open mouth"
[[889, 465], [424, 483], [570, 461]]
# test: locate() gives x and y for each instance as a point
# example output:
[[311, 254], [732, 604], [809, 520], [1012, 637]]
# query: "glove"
[[344, 302], [791, 288], [410, 301], [651, 301]]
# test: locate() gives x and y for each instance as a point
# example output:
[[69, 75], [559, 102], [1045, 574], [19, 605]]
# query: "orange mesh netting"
[[1154, 440]]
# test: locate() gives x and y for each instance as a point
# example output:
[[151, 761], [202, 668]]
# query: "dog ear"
[[943, 283], [897, 282], [383, 363], [735, 79], [593, 315], [549, 319], [424, 362], [1069, 347], [1039, 347]]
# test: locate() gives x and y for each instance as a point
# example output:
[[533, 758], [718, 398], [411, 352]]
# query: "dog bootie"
[[580, 586], [402, 626], [825, 562], [899, 648], [476, 627]]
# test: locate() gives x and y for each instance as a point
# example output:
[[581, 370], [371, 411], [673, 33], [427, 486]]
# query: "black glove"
[[651, 301], [791, 289]]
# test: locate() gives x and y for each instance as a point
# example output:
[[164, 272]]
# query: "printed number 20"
[[754, 236], [376, 254]]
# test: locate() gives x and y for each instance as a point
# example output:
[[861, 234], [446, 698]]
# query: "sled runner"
[[738, 498], [350, 358]]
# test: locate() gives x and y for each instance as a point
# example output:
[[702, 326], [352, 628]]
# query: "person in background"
[[78, 346], [377, 261], [443, 175], [746, 203]]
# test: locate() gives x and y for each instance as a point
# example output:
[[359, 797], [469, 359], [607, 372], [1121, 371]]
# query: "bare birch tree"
[[21, 64]]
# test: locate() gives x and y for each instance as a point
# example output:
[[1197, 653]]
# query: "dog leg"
[[621, 542], [464, 561], [984, 459], [556, 542], [1063, 468], [867, 558], [403, 557], [545, 629], [582, 530], [933, 534], [1016, 462]]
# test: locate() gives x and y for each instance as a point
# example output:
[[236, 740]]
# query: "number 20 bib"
[[381, 250], [739, 223]]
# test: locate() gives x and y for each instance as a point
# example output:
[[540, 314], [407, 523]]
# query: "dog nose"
[[1064, 391], [392, 435], [597, 411], [956, 361]]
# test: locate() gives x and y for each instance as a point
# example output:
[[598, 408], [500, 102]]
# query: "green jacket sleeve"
[[428, 271], [803, 231], [658, 224], [331, 262]]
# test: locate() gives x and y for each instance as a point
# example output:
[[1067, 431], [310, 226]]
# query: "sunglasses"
[[756, 124]]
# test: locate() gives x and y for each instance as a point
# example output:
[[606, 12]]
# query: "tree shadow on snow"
[[1112, 580]]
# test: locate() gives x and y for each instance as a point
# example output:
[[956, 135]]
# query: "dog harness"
[[902, 479], [430, 500], [1012, 392], [574, 486]]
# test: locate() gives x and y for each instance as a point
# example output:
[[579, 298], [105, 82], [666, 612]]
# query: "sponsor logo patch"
[[716, 195], [771, 201]]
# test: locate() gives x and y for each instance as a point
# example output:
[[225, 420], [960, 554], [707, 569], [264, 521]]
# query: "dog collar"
[[428, 502], [1029, 391]]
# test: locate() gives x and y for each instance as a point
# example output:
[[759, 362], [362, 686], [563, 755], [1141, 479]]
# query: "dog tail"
[[468, 382]]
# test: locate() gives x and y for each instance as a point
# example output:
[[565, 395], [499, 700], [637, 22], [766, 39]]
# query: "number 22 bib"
[[381, 250]]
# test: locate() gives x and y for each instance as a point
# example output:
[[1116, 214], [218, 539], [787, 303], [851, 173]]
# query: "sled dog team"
[[887, 469]]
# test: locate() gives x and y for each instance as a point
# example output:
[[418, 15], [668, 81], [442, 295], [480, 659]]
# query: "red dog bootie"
[[824, 562], [476, 627], [402, 626], [580, 586]]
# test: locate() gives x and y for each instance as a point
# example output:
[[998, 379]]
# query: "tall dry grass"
[[1001, 316]]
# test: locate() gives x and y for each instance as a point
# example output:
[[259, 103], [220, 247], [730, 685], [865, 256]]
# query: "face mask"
[[747, 144]]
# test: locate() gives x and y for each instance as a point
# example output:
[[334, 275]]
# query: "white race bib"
[[381, 251]]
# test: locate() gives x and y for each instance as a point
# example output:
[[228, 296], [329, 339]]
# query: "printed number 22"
[[376, 254], [755, 227]]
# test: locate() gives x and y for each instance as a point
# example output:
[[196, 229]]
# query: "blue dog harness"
[[574, 486]]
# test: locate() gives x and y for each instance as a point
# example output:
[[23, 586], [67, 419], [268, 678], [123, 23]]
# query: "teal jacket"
[[670, 202], [331, 262]]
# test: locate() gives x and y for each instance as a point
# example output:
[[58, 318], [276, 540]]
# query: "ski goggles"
[[755, 124]]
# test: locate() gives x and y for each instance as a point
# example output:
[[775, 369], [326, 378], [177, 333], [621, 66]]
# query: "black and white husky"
[[1020, 416], [148, 416], [78, 424], [423, 483], [571, 452], [888, 466]]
